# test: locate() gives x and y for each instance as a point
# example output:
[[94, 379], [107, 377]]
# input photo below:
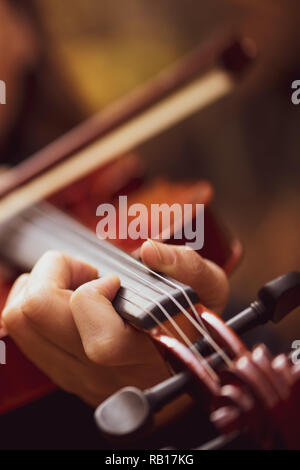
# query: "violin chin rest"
[[124, 414]]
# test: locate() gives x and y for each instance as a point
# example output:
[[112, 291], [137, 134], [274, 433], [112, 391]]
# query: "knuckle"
[[78, 296], [195, 262], [100, 351], [93, 351], [17, 289], [53, 255], [22, 278], [88, 292], [36, 302], [11, 317]]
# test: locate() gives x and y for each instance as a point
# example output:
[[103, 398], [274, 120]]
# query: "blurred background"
[[64, 60], [71, 58]]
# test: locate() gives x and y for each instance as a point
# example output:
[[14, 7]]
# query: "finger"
[[55, 323], [185, 265], [45, 299], [61, 271], [16, 289], [63, 369], [106, 338]]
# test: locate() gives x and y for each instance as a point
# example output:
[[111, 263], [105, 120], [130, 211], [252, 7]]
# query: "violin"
[[50, 202]]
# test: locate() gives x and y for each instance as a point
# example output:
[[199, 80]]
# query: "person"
[[35, 113], [61, 316]]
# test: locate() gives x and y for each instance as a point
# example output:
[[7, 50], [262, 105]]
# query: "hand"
[[185, 265], [62, 318]]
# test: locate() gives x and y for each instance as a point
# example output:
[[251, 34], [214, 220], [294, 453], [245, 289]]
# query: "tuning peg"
[[275, 301], [129, 412], [124, 414], [280, 297]]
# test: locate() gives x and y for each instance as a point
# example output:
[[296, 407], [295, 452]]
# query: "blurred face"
[[17, 55]]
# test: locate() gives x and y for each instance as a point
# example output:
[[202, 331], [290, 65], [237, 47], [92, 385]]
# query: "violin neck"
[[143, 298]]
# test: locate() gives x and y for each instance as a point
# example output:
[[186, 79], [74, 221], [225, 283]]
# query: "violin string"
[[176, 327], [116, 251], [202, 330], [181, 333], [173, 284], [172, 322], [164, 280], [206, 335], [143, 309], [123, 255], [131, 289]]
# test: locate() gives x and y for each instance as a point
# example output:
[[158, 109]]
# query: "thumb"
[[93, 312], [106, 339], [185, 265]]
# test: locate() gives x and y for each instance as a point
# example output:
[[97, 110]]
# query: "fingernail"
[[166, 255]]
